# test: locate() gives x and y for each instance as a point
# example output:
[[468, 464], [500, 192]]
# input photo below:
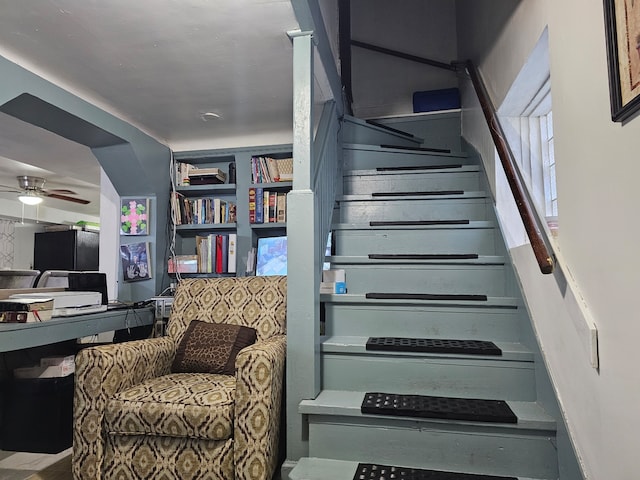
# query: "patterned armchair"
[[134, 419]]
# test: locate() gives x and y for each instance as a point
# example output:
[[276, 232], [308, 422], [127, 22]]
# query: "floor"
[[38, 466], [35, 466]]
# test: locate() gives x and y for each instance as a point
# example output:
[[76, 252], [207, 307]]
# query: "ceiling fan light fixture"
[[30, 198]]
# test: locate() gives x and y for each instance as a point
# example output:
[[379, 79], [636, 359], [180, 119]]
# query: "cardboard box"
[[333, 282]]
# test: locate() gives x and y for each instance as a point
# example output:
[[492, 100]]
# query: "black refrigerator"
[[66, 250]]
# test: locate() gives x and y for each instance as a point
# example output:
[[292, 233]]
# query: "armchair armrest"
[[100, 373], [259, 383]]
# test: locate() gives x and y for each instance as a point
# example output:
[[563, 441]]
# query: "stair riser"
[[362, 159], [410, 182], [423, 322], [489, 379], [443, 279], [463, 448], [358, 211], [481, 241]]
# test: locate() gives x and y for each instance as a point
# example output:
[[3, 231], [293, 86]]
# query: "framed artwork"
[[622, 23], [135, 261], [134, 216]]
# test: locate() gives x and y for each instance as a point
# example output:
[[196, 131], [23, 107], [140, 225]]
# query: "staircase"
[[428, 363]]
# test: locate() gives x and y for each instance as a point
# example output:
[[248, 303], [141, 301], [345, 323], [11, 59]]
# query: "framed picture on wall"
[[134, 216], [135, 261], [622, 23]]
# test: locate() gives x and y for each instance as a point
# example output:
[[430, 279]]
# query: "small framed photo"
[[134, 216], [622, 24], [135, 261]]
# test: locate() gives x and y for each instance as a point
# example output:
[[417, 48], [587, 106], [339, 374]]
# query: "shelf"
[[264, 226], [273, 186], [214, 188], [204, 227]]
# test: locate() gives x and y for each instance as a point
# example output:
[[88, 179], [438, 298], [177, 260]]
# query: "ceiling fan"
[[31, 190]]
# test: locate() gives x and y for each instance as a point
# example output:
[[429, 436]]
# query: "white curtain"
[[7, 242]]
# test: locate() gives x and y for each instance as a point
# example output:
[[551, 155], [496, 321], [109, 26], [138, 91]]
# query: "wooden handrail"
[[540, 250]]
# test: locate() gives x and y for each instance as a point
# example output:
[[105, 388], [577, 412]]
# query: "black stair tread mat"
[[449, 408], [418, 194], [373, 471], [423, 256], [433, 345], [425, 296], [390, 223], [417, 149], [417, 167]]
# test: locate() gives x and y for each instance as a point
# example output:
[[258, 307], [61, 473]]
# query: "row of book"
[[203, 210], [215, 253], [187, 174], [266, 206], [271, 170]]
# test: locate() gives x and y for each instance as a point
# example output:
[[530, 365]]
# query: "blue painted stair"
[[429, 287]]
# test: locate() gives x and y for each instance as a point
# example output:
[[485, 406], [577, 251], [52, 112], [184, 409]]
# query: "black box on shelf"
[[37, 414]]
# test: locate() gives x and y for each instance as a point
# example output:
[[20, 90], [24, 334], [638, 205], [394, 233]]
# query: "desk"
[[16, 336]]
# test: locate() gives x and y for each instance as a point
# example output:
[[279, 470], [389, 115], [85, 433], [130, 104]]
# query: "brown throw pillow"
[[211, 347]]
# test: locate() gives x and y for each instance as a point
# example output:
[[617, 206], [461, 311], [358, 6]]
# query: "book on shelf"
[[281, 207], [273, 202], [252, 204], [265, 169], [259, 205], [201, 211], [267, 206], [232, 260], [285, 169], [183, 264]]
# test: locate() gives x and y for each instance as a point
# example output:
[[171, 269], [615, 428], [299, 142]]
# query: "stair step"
[[377, 197], [414, 168], [417, 149], [309, 468], [423, 347], [429, 406], [423, 279], [433, 345], [437, 236], [467, 206], [339, 430], [487, 302], [344, 317], [374, 471], [431, 256], [347, 364], [348, 404], [360, 156], [359, 131], [447, 297]]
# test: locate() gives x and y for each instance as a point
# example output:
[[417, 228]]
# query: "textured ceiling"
[[158, 64]]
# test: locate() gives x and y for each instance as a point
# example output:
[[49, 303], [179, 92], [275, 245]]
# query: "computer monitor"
[[89, 282], [271, 257]]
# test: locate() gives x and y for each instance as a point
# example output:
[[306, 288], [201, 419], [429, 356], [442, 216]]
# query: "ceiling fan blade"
[[68, 199], [60, 191], [7, 188]]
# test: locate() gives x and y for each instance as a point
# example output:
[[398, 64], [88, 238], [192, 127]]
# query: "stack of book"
[[187, 174], [271, 170], [216, 253], [204, 210], [267, 206]]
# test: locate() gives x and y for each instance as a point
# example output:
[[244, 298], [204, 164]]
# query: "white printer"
[[66, 304]]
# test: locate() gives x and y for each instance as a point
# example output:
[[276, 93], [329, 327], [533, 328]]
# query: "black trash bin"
[[37, 414]]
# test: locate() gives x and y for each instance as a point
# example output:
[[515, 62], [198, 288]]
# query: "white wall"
[[24, 243], [597, 169], [384, 85]]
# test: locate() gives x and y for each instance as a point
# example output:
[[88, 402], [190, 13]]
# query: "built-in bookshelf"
[[213, 217]]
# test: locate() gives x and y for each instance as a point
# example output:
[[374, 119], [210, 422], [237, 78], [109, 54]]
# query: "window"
[[527, 118]]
